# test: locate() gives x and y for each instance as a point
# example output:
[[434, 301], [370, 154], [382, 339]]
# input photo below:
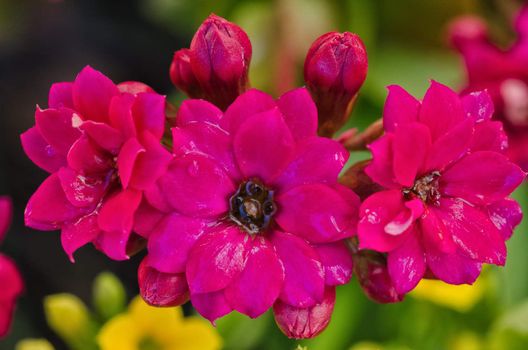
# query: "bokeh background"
[[42, 42]]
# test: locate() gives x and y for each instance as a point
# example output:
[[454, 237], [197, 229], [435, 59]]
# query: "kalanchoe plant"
[[502, 72], [334, 70], [216, 65], [101, 144], [249, 213], [444, 207]]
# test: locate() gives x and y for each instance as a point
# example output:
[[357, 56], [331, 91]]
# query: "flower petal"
[[441, 109], [263, 145], [48, 208], [257, 287], [300, 113], [452, 268], [60, 95], [337, 262], [216, 259], [406, 264], [146, 219], [380, 169], [196, 186], [481, 178], [400, 108], [478, 105], [195, 110], [6, 215], [411, 144], [82, 191], [103, 135], [303, 271], [171, 241], [87, 158], [121, 115], [40, 152], [316, 212], [506, 214], [76, 234], [149, 113], [56, 127], [316, 160], [92, 92], [489, 136], [211, 305], [246, 105]]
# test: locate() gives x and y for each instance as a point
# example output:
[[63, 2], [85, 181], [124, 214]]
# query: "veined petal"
[[246, 105], [400, 108], [40, 152], [195, 110], [300, 113], [406, 264], [337, 262], [57, 127]]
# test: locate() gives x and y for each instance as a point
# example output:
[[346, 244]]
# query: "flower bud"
[[161, 289], [371, 270], [303, 323], [466, 30], [334, 70], [68, 316], [109, 296], [216, 65], [34, 344]]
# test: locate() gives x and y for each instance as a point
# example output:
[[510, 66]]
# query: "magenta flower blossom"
[[444, 206], [250, 213], [10, 279], [216, 65], [502, 72], [101, 144]]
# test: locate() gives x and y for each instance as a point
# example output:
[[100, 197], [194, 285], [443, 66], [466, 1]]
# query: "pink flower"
[[101, 144], [502, 72], [444, 206], [334, 70], [250, 212], [10, 280], [216, 65]]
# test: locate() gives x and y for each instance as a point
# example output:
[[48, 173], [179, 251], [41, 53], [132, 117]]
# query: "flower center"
[[252, 206], [425, 188]]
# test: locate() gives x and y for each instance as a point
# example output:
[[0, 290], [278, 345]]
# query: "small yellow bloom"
[[457, 297], [34, 344], [145, 327]]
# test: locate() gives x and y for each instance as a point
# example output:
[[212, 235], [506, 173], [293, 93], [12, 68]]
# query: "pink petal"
[[441, 109], [82, 191], [506, 214], [263, 146], [246, 105], [156, 197], [87, 158], [316, 160], [489, 136], [149, 113], [300, 113], [412, 210], [435, 232], [92, 92], [10, 280], [146, 219], [406, 264], [48, 208], [315, 212], [375, 213], [451, 146], [134, 87], [6, 215], [151, 164], [60, 95], [171, 241], [121, 116], [303, 323], [452, 268], [76, 234], [257, 287], [103, 135], [472, 231], [117, 213], [161, 289], [127, 158], [400, 108], [380, 169], [304, 274], [337, 262], [198, 111], [196, 186], [208, 139], [41, 152], [211, 305], [478, 105], [56, 127], [481, 178], [411, 144], [216, 259]]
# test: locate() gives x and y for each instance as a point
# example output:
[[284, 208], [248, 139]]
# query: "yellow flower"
[[458, 297], [34, 344], [145, 327]]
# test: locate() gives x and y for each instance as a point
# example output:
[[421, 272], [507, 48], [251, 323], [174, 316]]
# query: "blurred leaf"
[[239, 332]]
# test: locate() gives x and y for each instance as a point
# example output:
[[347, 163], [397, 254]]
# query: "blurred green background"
[[46, 41]]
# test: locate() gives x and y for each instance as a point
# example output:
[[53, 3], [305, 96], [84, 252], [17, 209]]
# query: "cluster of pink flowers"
[[502, 72], [240, 204], [10, 279]]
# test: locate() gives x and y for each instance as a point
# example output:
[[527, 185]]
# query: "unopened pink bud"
[[334, 70], [371, 270], [303, 323], [466, 30], [182, 76], [161, 289]]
